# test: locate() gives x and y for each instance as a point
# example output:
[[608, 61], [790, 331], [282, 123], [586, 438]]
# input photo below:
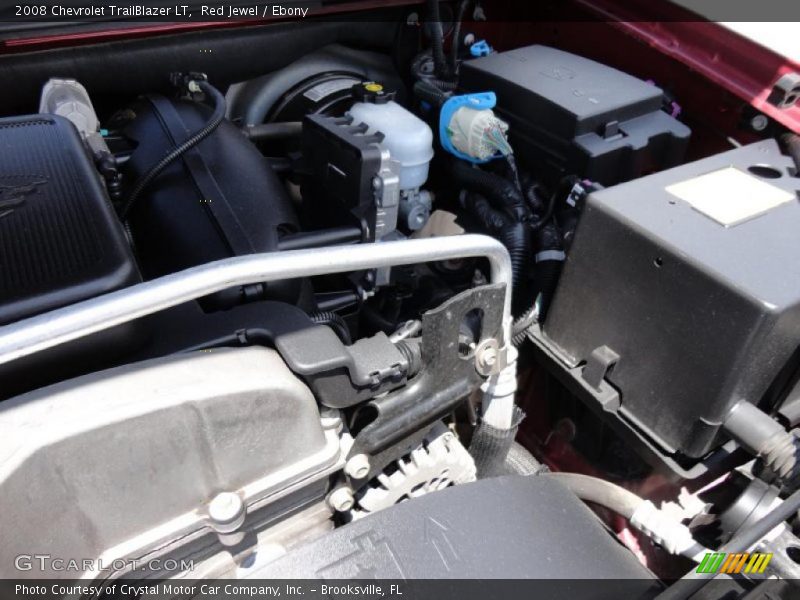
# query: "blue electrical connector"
[[479, 101], [480, 48]]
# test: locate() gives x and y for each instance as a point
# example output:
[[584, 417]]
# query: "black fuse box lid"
[[578, 116]]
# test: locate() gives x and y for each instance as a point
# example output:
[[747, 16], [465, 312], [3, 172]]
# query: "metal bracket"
[[386, 186], [447, 378]]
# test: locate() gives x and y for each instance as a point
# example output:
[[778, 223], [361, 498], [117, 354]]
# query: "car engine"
[[296, 325]]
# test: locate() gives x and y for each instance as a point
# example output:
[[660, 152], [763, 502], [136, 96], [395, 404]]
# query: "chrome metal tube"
[[79, 320]]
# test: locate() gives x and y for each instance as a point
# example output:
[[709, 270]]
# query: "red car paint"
[[698, 60]]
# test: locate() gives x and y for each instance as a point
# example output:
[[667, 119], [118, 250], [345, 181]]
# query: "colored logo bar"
[[723, 562]]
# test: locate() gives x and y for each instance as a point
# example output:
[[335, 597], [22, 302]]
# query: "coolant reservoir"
[[407, 137]]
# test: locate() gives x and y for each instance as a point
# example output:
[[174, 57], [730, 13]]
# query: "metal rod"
[[85, 318]]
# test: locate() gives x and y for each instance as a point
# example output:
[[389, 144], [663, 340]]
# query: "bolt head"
[[227, 512], [341, 499], [759, 122], [487, 357], [330, 418], [358, 466]]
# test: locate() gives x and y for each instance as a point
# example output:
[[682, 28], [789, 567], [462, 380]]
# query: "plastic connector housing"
[[458, 131]]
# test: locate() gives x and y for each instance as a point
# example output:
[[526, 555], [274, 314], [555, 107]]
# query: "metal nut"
[[357, 466], [487, 357]]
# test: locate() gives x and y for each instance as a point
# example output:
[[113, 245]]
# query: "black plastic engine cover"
[[60, 243], [221, 199], [504, 528]]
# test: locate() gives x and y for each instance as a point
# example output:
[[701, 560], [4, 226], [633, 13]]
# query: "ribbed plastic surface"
[[60, 241]]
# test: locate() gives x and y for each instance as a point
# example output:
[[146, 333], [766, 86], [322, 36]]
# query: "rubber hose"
[[535, 202], [547, 237], [376, 320], [420, 74], [543, 212], [493, 220], [417, 65], [437, 40], [456, 39], [335, 322], [273, 131], [601, 492], [516, 237], [521, 462], [444, 86], [320, 238], [490, 446], [791, 142], [216, 118], [430, 94], [502, 193], [336, 300], [546, 274], [693, 582], [412, 352], [780, 453]]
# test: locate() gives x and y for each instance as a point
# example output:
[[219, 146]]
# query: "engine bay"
[[248, 323]]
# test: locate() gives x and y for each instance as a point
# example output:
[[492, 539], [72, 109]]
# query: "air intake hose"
[[170, 157]]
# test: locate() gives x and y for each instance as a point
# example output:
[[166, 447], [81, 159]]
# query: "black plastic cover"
[[60, 243], [60, 240], [700, 315], [571, 115], [505, 528]]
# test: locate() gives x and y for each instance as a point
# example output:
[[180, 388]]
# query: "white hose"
[[642, 514]]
